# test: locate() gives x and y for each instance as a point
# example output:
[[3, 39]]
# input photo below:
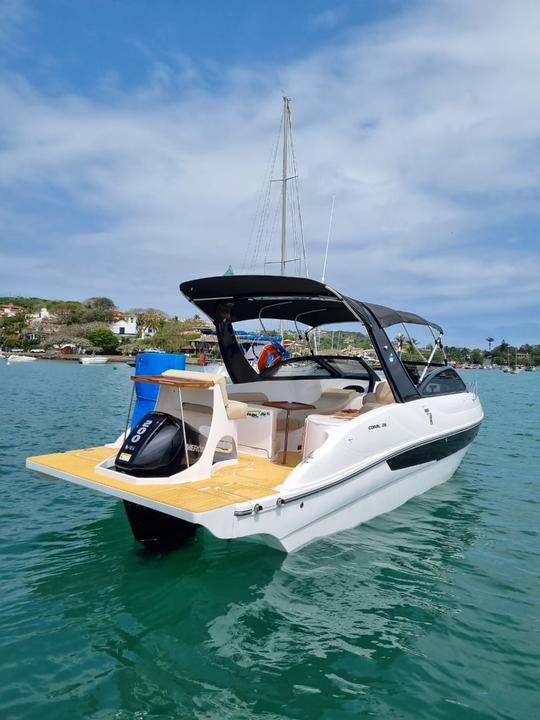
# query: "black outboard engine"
[[160, 445], [156, 447]]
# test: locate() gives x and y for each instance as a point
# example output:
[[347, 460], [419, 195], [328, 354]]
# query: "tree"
[[477, 358], [10, 341], [13, 325], [176, 335], [150, 319], [399, 342], [100, 303], [412, 346], [68, 313], [489, 341], [104, 339]]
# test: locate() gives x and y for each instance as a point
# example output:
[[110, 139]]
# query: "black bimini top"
[[288, 298], [230, 299]]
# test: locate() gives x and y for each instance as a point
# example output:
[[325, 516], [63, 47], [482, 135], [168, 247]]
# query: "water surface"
[[431, 611]]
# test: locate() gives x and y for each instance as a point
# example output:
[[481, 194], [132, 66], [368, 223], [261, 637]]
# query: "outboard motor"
[[159, 446], [156, 447]]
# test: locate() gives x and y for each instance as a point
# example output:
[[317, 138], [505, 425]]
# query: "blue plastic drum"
[[152, 363]]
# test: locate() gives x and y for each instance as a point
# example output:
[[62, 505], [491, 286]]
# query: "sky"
[[135, 135]]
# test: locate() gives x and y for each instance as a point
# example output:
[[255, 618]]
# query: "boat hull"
[[290, 523], [365, 467], [364, 497]]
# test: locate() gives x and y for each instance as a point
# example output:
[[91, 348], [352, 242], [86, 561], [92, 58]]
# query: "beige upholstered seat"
[[331, 400], [383, 395]]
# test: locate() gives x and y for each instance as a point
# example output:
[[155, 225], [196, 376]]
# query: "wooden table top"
[[289, 406], [171, 381]]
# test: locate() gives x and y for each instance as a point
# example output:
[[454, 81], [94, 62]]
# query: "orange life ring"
[[269, 357]]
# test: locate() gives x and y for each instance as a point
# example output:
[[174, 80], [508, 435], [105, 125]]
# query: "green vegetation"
[[104, 339], [86, 326], [176, 335], [68, 312]]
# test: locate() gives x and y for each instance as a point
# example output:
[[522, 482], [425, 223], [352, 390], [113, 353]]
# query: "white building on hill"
[[41, 315], [125, 325]]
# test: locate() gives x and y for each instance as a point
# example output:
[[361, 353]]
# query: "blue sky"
[[134, 138]]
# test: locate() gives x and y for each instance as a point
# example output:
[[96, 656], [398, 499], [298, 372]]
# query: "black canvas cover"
[[248, 297]]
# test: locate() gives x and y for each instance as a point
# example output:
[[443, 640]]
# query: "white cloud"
[[424, 127], [328, 19]]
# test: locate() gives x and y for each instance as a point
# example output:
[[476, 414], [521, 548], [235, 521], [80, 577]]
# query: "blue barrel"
[[152, 363]]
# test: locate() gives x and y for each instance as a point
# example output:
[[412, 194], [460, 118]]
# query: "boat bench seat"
[[331, 401], [383, 395]]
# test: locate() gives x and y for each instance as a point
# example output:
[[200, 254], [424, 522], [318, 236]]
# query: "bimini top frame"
[[230, 299]]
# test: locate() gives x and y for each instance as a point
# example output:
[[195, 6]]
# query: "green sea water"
[[431, 611]]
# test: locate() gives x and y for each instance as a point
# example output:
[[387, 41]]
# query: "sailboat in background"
[[264, 230], [288, 210], [511, 369]]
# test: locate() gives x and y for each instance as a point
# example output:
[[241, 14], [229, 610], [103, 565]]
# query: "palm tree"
[[489, 341], [412, 345], [399, 342]]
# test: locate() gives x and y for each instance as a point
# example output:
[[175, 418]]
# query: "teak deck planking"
[[252, 478]]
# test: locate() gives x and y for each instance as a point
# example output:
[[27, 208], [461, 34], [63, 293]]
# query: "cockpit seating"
[[383, 395], [331, 400]]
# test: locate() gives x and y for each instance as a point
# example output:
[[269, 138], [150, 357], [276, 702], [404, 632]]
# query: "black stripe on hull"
[[435, 450]]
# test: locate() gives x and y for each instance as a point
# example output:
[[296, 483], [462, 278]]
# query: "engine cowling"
[[160, 445]]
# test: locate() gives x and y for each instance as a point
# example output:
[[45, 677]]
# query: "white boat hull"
[[93, 360], [362, 498], [358, 469]]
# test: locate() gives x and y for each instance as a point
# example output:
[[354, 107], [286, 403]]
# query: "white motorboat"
[[300, 449], [20, 358], [93, 360]]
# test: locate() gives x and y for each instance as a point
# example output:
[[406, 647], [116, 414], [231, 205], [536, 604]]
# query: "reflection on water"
[[425, 612], [324, 621]]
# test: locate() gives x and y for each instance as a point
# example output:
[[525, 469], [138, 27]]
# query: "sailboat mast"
[[286, 124]]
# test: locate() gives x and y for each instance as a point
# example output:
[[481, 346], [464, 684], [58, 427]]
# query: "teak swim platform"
[[248, 480]]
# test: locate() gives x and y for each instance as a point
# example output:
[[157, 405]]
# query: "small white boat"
[[299, 449], [93, 360], [20, 358]]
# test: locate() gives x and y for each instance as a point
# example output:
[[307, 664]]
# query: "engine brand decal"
[[195, 448], [125, 456]]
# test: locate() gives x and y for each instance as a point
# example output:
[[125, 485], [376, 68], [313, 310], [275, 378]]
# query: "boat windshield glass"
[[346, 366], [419, 349], [298, 367]]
